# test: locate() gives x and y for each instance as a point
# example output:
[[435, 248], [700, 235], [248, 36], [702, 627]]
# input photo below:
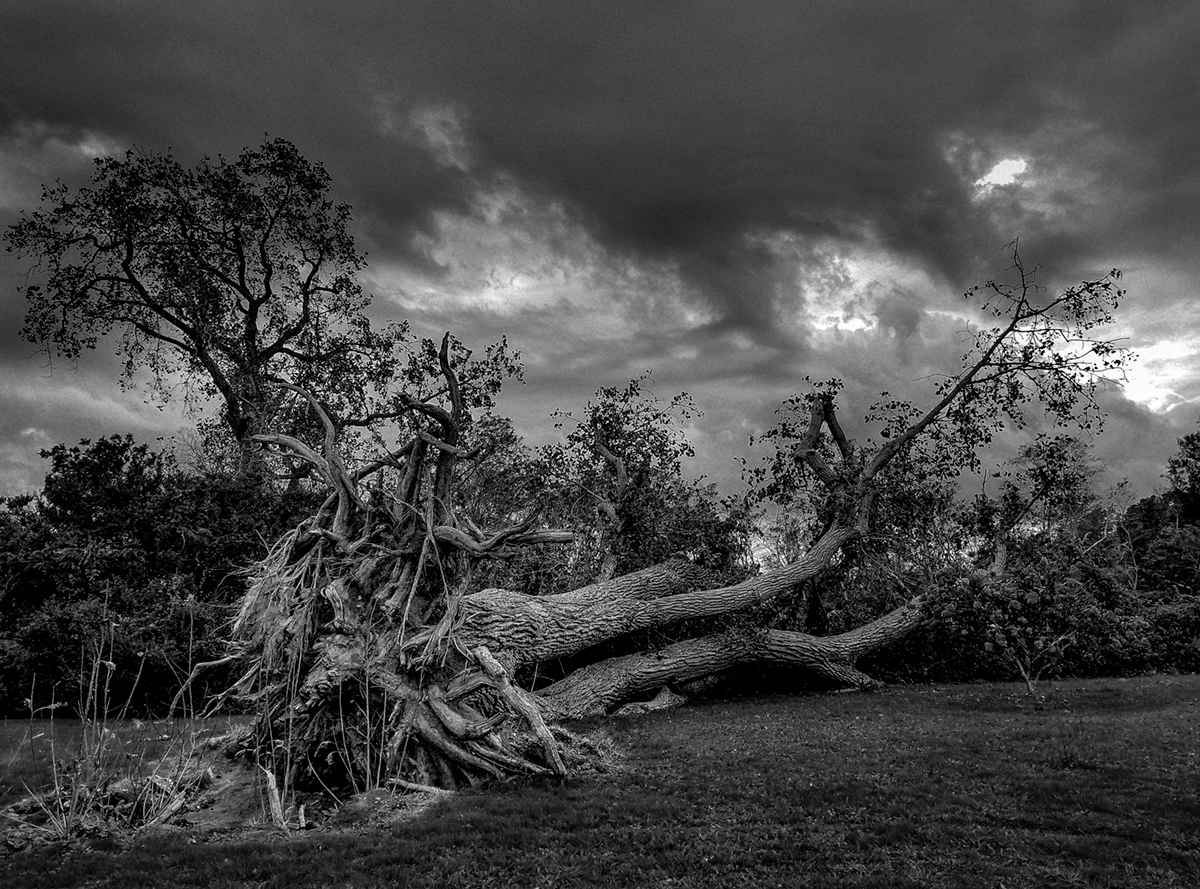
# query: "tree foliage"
[[219, 280], [123, 539], [616, 482], [619, 473], [1183, 475]]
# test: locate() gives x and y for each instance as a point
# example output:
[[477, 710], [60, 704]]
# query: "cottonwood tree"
[[373, 658]]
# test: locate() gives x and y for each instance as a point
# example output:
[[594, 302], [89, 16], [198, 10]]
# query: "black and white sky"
[[733, 195]]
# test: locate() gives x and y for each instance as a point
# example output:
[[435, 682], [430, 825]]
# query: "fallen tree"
[[371, 659]]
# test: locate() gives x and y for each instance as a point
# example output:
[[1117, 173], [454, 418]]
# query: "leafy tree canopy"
[[225, 276], [223, 281]]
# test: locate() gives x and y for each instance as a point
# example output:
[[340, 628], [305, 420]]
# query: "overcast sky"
[[733, 195]]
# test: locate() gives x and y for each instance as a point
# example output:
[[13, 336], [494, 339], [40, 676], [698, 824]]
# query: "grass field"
[[919, 786]]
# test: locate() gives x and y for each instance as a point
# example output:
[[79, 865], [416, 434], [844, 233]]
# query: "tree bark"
[[524, 629], [601, 687]]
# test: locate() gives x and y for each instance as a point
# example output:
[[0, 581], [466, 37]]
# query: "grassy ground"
[[29, 748], [915, 786]]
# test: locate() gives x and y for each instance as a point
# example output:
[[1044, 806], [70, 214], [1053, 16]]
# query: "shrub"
[[122, 539], [1174, 632]]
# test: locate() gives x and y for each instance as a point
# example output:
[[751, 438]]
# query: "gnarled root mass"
[[349, 629], [352, 694], [360, 683]]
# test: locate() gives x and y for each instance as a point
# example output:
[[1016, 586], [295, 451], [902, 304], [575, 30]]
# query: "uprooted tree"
[[371, 657]]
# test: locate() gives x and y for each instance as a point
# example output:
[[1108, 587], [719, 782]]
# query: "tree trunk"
[[528, 629], [604, 686]]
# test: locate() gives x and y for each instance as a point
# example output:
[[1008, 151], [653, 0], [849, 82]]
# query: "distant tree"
[[104, 486], [1163, 534], [1049, 485], [616, 482], [1058, 472], [222, 280], [1183, 474]]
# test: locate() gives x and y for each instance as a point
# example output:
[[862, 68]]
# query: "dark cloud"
[[695, 166], [900, 314]]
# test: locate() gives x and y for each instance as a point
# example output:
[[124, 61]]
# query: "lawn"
[[921, 786]]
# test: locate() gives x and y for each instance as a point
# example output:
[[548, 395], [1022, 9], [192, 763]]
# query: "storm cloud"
[[732, 195]]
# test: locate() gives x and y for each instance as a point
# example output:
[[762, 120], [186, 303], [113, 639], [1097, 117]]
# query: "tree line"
[[122, 536]]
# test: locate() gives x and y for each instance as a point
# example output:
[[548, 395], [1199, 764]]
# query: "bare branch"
[[519, 534], [451, 377], [835, 429]]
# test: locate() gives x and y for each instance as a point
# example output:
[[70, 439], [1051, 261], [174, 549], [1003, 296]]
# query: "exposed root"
[[350, 628], [349, 698]]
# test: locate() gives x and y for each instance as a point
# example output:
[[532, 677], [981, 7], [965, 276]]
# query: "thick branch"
[[526, 629], [887, 453], [835, 429], [456, 405], [806, 448], [600, 687]]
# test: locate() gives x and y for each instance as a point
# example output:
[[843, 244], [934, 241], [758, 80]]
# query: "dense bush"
[[1174, 633], [1059, 609], [1063, 582], [125, 559]]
